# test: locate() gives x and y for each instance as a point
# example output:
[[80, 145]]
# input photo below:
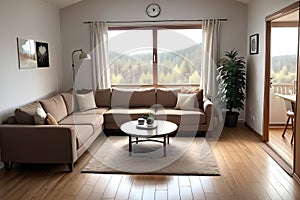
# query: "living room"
[[64, 31]]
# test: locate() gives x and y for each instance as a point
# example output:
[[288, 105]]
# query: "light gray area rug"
[[184, 156]]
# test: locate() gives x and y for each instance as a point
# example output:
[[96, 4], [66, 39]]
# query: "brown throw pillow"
[[51, 120], [25, 114]]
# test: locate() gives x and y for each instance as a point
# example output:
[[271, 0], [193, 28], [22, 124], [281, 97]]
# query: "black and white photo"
[[42, 54], [254, 44]]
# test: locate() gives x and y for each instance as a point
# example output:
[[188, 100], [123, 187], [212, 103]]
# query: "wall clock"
[[153, 10]]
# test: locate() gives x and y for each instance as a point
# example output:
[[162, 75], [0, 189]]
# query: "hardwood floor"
[[282, 145], [247, 172]]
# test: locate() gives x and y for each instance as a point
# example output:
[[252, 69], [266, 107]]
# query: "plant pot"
[[231, 119]]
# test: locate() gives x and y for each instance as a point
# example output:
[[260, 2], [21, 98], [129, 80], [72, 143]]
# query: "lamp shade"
[[84, 56]]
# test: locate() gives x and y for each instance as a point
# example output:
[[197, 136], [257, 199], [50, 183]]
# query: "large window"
[[155, 56]]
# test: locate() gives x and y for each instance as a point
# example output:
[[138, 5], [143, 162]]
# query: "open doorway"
[[281, 79], [283, 75]]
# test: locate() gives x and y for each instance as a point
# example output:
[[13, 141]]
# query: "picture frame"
[[254, 44], [42, 53], [26, 53]]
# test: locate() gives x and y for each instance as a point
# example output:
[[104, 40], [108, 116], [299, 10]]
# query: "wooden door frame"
[[269, 19], [266, 118]]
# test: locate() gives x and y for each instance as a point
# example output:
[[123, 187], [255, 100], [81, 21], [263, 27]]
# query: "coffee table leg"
[[165, 141], [168, 139], [130, 144], [137, 140]]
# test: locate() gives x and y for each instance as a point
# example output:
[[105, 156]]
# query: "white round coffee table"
[[163, 129]]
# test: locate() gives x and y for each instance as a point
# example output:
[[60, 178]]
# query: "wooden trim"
[[266, 119], [284, 24], [296, 177], [297, 119], [289, 9], [278, 125]]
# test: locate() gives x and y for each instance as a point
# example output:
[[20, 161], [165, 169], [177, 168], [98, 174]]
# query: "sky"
[[284, 41]]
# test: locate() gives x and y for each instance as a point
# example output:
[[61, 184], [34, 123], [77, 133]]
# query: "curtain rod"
[[168, 20]]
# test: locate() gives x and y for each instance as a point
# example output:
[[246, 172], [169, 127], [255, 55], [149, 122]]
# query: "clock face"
[[153, 10]]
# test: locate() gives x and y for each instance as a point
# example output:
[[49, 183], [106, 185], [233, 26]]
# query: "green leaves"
[[232, 80]]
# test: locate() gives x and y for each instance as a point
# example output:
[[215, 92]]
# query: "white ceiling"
[[64, 3]]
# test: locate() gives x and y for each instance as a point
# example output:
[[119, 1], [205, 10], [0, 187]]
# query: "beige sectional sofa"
[[22, 140]]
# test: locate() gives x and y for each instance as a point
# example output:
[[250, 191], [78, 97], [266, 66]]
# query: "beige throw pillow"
[[186, 101], [40, 116], [86, 101], [51, 120]]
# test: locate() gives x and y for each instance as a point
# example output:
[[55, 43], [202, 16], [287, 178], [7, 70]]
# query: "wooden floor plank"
[[247, 172]]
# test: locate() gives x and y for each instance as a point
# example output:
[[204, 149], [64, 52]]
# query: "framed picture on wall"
[[26, 53], [42, 54], [254, 39]]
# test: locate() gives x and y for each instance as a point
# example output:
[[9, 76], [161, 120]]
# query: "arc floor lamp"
[[82, 56]]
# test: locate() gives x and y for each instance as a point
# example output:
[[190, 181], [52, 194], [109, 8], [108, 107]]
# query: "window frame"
[[154, 29]]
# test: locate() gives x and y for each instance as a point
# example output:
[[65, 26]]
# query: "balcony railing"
[[284, 88], [277, 106]]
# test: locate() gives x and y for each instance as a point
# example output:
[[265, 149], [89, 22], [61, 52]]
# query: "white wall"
[[75, 34], [257, 11], [27, 19]]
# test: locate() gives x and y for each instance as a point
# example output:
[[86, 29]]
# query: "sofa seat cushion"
[[97, 111], [95, 121], [121, 115], [83, 133], [185, 117], [55, 106]]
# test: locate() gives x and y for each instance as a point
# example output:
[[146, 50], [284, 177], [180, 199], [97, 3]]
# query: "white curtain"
[[99, 46], [210, 35]]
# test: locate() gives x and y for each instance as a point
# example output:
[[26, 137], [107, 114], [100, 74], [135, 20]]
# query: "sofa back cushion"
[[25, 114], [133, 98], [167, 97], [103, 97], [142, 98], [69, 101], [55, 106]]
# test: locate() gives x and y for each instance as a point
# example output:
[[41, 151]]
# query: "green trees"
[[284, 69], [173, 67]]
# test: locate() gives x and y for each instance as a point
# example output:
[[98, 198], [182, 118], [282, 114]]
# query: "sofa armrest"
[[208, 110], [38, 144]]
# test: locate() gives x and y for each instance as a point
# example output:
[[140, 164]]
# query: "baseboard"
[[259, 136], [296, 177]]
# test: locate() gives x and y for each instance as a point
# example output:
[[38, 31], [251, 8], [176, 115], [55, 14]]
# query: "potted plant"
[[232, 82]]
